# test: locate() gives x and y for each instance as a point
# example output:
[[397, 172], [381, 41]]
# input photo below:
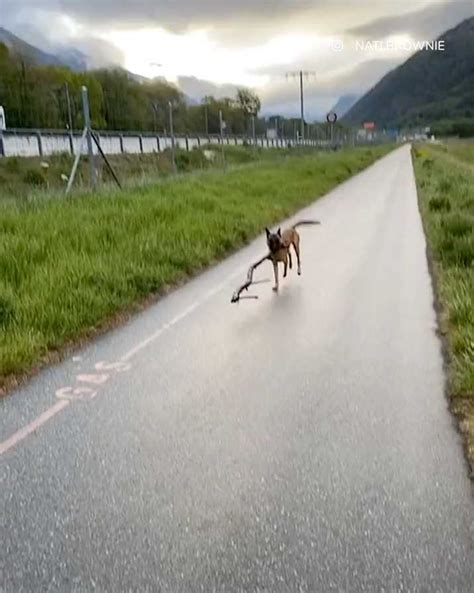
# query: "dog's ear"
[[279, 231], [267, 231]]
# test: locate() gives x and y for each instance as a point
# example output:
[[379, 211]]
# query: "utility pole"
[[301, 74]]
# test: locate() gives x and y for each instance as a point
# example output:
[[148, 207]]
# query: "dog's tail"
[[302, 222]]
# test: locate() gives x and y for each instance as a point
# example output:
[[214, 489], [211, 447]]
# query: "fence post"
[[221, 128], [87, 122], [2, 145], [173, 159], [140, 142], [40, 143]]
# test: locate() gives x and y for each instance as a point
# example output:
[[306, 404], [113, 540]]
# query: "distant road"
[[300, 442]]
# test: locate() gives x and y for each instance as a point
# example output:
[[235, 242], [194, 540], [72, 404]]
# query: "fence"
[[42, 143]]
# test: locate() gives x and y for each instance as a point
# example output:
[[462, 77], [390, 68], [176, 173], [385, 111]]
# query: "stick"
[[236, 296]]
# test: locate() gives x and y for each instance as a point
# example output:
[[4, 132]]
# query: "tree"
[[248, 102]]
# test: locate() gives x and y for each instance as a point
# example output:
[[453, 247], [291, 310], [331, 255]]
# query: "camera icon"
[[337, 44]]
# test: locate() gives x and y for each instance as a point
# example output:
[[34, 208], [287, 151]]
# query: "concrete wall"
[[44, 143]]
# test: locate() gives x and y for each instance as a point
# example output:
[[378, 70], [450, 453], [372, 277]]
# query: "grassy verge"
[[26, 179], [67, 266], [445, 180]]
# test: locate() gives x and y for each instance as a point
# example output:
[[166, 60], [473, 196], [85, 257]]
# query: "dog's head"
[[274, 241]]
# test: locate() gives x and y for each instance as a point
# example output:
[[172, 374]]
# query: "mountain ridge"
[[429, 87]]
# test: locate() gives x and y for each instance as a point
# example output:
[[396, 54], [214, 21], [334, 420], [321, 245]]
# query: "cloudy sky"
[[210, 46]]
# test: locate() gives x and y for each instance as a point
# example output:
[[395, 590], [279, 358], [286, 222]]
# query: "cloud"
[[196, 88], [246, 41], [425, 24], [321, 93]]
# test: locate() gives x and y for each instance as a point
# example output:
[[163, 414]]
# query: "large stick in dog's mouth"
[[245, 286]]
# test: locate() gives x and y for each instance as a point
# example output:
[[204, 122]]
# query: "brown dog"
[[279, 244]]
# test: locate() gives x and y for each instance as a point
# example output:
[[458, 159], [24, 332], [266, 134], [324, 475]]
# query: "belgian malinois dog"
[[279, 244]]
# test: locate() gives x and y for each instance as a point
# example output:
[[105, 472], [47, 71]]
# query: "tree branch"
[[236, 296]]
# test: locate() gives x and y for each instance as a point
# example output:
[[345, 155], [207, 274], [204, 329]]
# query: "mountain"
[[28, 52], [430, 87], [65, 56], [72, 58], [343, 104]]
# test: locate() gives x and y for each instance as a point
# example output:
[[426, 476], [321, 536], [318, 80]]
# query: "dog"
[[279, 244]]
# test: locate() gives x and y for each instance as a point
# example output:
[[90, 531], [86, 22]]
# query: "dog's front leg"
[[275, 272], [285, 267]]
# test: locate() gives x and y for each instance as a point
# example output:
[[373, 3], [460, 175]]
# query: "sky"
[[215, 46]]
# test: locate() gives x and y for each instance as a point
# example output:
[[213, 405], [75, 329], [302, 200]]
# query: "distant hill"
[[430, 88], [343, 104], [28, 52], [72, 58]]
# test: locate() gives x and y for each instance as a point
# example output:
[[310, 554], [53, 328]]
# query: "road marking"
[[95, 378], [131, 353], [19, 435], [68, 394], [74, 394]]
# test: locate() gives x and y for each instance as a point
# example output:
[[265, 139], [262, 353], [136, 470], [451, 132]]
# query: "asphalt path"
[[298, 442]]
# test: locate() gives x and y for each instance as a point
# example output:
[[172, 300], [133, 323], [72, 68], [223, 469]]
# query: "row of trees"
[[49, 97], [37, 96]]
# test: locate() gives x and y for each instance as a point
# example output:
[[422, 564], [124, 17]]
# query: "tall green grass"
[[27, 179], [446, 194], [68, 265]]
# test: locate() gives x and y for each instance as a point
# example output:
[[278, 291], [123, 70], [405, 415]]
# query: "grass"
[[27, 179], [68, 265], [457, 148], [445, 180]]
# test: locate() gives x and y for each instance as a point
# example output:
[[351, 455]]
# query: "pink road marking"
[[95, 378], [21, 434]]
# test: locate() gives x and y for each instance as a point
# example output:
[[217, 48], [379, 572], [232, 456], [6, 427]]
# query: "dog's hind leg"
[[275, 272], [296, 245], [290, 261], [285, 266]]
